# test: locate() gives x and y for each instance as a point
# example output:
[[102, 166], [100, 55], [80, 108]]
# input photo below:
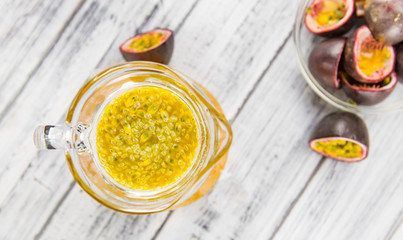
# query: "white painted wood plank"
[[354, 201], [46, 98], [28, 31], [268, 166]]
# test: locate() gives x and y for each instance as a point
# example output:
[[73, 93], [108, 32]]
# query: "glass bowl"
[[305, 41]]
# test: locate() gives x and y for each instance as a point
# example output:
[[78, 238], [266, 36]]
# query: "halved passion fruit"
[[385, 19], [156, 46], [329, 17], [368, 93], [366, 59], [324, 61], [342, 136]]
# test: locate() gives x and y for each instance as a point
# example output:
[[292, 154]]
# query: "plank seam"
[[186, 16], [162, 225], [257, 83], [294, 202], [50, 217], [49, 50], [148, 17], [105, 226], [395, 226]]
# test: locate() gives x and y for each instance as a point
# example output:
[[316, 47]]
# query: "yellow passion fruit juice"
[[147, 138]]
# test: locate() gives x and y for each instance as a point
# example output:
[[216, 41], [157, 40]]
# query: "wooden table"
[[273, 186]]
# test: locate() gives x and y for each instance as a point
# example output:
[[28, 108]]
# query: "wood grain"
[[29, 31], [273, 186]]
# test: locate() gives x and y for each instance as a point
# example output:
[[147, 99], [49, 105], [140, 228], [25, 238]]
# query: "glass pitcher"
[[77, 137]]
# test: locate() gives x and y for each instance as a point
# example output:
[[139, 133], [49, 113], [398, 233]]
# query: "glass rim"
[[173, 193]]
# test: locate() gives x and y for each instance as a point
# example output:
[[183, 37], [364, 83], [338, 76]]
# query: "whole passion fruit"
[[324, 61], [342, 136], [366, 59], [368, 93], [330, 17], [156, 46], [399, 62], [385, 19]]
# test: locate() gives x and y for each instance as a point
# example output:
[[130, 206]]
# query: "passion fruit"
[[366, 59], [385, 19], [324, 61], [399, 62], [368, 93], [342, 136], [330, 17], [156, 46]]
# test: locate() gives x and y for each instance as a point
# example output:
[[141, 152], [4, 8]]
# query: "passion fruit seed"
[[146, 41], [373, 56], [332, 12], [138, 146], [339, 148]]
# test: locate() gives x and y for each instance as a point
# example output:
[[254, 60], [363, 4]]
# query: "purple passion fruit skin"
[[342, 136], [368, 94], [156, 46], [366, 59], [329, 18], [385, 19], [399, 62], [324, 61]]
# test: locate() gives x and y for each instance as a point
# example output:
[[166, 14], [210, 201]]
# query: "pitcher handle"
[[62, 137]]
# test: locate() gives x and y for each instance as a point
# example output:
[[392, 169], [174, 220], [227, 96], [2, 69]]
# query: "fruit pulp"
[[339, 148], [146, 41], [372, 59], [329, 12], [147, 138]]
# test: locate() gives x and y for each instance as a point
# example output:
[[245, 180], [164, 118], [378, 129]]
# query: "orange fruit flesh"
[[330, 12], [372, 59]]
